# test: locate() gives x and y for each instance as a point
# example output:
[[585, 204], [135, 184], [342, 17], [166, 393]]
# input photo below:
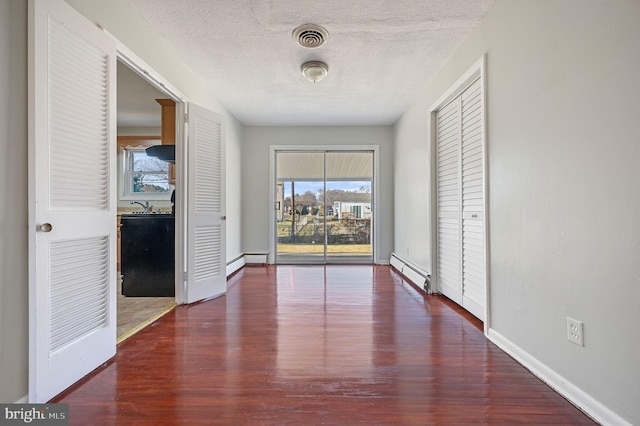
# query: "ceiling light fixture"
[[314, 71]]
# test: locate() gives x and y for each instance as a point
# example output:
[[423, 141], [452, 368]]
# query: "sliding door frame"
[[274, 149]]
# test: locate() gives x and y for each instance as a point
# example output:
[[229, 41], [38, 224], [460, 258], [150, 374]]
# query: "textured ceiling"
[[380, 53]]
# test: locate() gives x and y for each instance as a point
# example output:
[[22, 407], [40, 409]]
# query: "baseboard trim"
[[235, 264], [585, 402], [257, 258]]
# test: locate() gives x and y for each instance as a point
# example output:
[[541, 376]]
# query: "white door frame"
[[147, 73], [311, 148], [477, 69]]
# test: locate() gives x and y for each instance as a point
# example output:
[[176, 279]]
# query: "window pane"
[[349, 203], [143, 163], [300, 227], [143, 183]]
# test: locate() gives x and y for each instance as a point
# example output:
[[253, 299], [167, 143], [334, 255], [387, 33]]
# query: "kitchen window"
[[144, 177]]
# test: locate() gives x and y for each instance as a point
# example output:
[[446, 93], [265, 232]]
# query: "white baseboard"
[[257, 258], [235, 264], [577, 396]]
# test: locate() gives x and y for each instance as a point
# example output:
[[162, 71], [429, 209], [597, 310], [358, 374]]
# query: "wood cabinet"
[[168, 132]]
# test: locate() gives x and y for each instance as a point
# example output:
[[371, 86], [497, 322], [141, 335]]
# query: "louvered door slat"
[[78, 77], [208, 174], [208, 252]]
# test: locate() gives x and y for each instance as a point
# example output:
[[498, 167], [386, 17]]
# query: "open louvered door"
[[460, 199], [206, 259], [72, 209]]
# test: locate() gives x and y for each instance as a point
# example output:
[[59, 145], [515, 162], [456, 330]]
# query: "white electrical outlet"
[[574, 331]]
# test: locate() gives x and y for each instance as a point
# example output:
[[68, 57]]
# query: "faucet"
[[143, 203]]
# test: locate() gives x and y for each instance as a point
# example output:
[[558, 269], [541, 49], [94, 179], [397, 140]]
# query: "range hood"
[[163, 152]]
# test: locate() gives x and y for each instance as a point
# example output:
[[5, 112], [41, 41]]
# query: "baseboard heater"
[[235, 264], [243, 259], [257, 258], [412, 272]]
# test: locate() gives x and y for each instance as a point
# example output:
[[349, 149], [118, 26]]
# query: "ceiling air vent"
[[310, 35]]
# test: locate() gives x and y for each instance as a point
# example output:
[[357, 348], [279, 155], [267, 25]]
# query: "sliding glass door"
[[300, 225], [324, 206]]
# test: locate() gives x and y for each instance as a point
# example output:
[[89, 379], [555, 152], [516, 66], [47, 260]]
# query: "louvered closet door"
[[72, 209], [473, 260], [448, 200], [460, 200], [206, 259]]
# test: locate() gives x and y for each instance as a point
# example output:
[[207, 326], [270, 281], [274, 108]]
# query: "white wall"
[[233, 188], [117, 18], [257, 200], [13, 202], [564, 203]]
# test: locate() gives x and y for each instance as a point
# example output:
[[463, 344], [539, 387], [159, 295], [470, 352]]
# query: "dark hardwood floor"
[[307, 345]]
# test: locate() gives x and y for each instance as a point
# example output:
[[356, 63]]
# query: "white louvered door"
[[460, 200], [448, 189], [473, 247], [206, 259], [72, 293]]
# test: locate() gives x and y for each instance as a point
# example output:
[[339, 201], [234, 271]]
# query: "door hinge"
[[186, 117], [185, 276]]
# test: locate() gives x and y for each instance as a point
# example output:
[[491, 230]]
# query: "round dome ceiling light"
[[310, 35], [314, 71]]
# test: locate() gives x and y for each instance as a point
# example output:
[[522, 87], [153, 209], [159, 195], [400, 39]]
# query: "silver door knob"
[[45, 227]]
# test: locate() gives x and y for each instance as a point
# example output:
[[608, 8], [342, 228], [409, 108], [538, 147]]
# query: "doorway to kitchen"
[[324, 206]]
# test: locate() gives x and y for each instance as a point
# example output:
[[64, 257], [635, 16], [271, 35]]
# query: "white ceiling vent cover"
[[310, 35]]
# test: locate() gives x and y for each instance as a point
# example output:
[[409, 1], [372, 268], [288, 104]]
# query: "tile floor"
[[133, 311]]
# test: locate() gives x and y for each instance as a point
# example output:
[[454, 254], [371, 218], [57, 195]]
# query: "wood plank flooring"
[[311, 345]]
